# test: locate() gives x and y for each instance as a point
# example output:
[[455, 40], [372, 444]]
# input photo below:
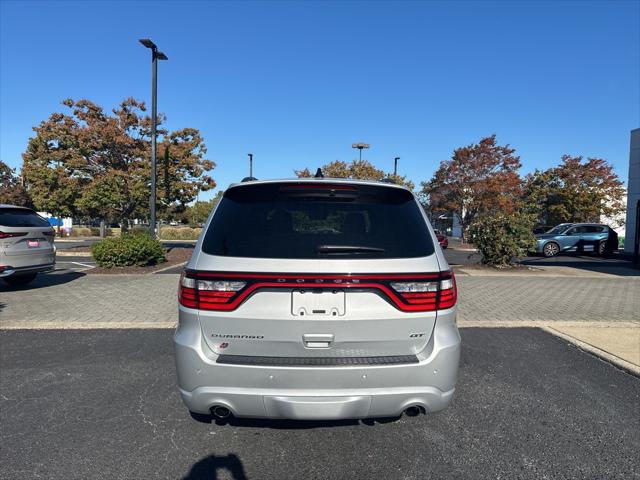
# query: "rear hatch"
[[26, 239], [318, 269]]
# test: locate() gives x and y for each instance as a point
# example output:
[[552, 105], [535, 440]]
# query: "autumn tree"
[[479, 179], [199, 211], [357, 169], [577, 190], [12, 190], [95, 163]]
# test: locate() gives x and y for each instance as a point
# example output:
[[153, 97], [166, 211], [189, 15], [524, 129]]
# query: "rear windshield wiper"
[[344, 249]]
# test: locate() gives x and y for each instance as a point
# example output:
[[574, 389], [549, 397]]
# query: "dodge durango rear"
[[317, 299]]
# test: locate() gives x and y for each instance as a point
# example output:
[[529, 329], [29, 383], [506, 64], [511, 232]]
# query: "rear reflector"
[[415, 292]]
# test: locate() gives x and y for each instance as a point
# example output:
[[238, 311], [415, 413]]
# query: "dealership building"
[[632, 234]]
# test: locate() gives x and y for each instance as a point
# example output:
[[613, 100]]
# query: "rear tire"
[[551, 249], [602, 249], [17, 280]]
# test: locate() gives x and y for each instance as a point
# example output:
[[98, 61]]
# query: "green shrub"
[[179, 233], [129, 249], [501, 238]]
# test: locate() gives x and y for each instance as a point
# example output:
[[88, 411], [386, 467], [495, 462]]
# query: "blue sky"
[[297, 83]]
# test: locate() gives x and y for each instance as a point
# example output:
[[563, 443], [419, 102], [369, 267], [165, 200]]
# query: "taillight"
[[12, 234], [225, 291], [425, 296], [207, 294]]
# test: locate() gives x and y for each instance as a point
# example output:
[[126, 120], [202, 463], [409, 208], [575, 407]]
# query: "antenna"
[[319, 173]]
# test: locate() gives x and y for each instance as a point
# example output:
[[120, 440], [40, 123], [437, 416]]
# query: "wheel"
[[602, 249], [16, 280], [551, 249]]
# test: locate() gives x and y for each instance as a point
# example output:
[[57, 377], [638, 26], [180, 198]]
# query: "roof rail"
[[249, 179]]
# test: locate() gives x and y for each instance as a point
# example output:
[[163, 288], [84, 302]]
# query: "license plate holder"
[[312, 304], [33, 243]]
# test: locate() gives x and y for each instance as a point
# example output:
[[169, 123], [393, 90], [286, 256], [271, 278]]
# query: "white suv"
[[317, 299], [26, 245]]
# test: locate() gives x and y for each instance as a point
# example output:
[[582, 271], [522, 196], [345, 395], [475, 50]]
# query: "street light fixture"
[[155, 56], [360, 146], [395, 166], [250, 164]]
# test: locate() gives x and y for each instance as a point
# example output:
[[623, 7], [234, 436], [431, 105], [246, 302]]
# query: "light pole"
[[250, 164], [155, 56], [395, 166], [360, 146]]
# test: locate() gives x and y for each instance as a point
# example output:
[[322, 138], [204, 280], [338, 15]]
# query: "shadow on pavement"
[[44, 280], [208, 468], [289, 424]]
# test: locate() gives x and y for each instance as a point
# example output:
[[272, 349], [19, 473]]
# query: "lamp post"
[[395, 166], [360, 146], [155, 56], [250, 164]]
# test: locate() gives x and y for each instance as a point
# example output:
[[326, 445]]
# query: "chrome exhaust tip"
[[414, 411], [220, 411]]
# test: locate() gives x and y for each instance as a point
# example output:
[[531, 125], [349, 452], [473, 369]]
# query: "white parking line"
[[84, 264], [74, 266]]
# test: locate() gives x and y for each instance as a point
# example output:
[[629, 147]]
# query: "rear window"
[[318, 220], [21, 217]]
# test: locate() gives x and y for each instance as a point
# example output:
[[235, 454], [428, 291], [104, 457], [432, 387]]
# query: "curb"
[[66, 253], [182, 264], [88, 325], [603, 355]]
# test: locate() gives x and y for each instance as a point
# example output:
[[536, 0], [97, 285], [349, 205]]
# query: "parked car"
[[577, 237], [26, 245], [443, 241], [317, 299]]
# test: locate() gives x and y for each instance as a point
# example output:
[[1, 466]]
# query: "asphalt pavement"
[[104, 404]]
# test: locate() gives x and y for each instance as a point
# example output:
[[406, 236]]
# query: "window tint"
[[21, 217], [594, 229], [318, 220], [557, 230]]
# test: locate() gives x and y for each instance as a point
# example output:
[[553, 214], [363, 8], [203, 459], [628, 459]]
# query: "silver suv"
[[317, 299], [26, 245]]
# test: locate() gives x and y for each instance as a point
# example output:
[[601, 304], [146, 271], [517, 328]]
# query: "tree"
[[480, 179], [357, 169], [97, 164], [12, 190], [574, 191], [199, 211]]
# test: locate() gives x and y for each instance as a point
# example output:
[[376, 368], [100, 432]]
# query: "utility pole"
[[155, 56]]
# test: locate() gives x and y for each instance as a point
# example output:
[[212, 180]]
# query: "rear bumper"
[[30, 269], [317, 393]]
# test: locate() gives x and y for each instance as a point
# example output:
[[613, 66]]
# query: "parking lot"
[[89, 389], [104, 404]]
